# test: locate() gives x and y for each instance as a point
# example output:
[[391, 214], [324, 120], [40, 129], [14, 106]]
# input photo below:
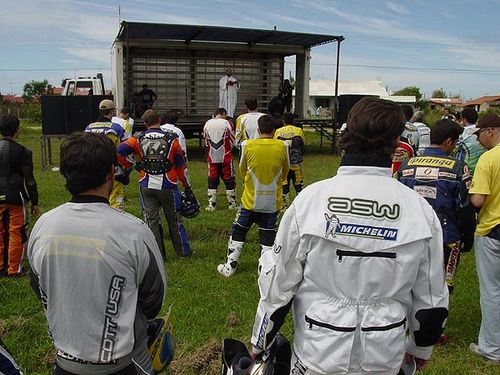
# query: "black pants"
[[129, 370]]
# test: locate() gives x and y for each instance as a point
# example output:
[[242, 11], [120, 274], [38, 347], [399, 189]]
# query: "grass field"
[[206, 306]]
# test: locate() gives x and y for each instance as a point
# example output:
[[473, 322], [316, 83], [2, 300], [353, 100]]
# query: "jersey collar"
[[366, 160], [88, 199]]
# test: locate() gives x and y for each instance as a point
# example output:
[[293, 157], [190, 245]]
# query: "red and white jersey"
[[219, 139], [403, 151]]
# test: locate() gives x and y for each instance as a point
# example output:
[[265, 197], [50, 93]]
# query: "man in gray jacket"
[[359, 256], [98, 271]]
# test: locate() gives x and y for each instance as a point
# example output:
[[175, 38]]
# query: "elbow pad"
[[432, 323]]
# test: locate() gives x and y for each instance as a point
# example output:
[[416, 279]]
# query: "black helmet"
[[236, 359], [190, 207]]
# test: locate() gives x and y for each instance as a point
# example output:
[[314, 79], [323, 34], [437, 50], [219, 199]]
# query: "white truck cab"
[[83, 86]]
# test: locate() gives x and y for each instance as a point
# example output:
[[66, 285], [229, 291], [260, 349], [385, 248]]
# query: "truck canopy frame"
[[183, 64]]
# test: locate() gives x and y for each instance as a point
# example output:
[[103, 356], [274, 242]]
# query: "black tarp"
[[189, 33]]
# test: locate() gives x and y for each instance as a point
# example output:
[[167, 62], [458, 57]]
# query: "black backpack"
[[296, 149], [155, 152], [4, 167]]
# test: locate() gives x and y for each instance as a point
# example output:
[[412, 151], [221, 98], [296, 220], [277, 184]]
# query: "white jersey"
[[176, 130], [127, 125], [247, 126], [228, 94], [424, 134], [219, 140], [360, 258]]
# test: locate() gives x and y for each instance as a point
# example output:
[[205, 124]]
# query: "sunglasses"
[[481, 130]]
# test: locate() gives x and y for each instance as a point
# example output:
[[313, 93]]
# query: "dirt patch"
[[232, 320], [204, 360]]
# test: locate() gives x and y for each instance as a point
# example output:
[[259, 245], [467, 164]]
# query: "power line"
[[51, 70], [418, 68]]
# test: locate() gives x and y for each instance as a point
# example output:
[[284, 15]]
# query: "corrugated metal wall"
[[189, 80]]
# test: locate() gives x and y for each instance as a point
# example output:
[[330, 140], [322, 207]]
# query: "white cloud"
[[397, 7]]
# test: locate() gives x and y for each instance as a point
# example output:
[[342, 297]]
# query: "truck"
[[75, 108], [183, 64], [83, 86]]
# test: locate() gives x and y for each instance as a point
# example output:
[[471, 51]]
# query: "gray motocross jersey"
[[100, 275]]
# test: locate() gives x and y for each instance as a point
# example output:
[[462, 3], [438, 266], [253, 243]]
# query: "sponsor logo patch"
[[426, 191], [262, 332], [449, 175], [332, 223], [432, 161], [427, 173], [277, 248], [363, 207], [408, 172], [367, 231], [335, 228]]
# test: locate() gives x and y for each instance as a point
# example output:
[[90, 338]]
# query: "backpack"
[[296, 149], [4, 167], [155, 152]]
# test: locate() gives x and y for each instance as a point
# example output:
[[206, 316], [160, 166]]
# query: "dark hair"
[[220, 111], [126, 110], [171, 117], [251, 102], [288, 118], [106, 111], [373, 126], [407, 111], [86, 159], [444, 129], [470, 114], [266, 124], [9, 125], [151, 117]]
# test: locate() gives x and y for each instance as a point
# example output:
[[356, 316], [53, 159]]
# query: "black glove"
[[467, 242], [189, 194]]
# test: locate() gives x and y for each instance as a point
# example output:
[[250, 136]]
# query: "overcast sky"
[[453, 44]]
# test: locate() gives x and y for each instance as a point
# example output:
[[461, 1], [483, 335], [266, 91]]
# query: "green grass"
[[207, 307]]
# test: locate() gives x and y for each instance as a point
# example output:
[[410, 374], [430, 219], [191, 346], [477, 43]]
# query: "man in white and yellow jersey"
[[246, 124], [263, 166], [294, 136]]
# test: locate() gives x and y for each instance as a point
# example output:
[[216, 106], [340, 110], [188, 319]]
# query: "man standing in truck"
[[148, 97], [228, 92]]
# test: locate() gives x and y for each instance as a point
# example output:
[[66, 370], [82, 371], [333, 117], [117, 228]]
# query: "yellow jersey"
[[486, 181], [263, 166], [294, 137]]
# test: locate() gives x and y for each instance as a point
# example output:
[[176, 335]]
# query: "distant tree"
[[409, 91], [455, 96], [34, 89], [1, 98], [439, 93]]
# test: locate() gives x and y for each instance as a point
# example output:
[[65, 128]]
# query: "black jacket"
[[17, 183]]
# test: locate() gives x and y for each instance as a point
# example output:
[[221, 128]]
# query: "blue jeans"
[[488, 270]]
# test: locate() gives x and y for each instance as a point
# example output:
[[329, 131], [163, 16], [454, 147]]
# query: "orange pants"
[[16, 217]]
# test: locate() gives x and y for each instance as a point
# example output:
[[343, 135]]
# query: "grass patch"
[[207, 307]]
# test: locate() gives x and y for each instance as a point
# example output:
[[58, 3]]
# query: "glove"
[[189, 194], [467, 242]]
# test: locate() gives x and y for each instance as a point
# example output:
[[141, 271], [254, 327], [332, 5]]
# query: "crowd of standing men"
[[367, 258]]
